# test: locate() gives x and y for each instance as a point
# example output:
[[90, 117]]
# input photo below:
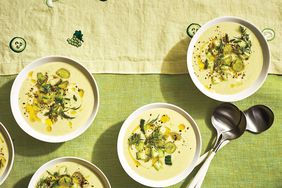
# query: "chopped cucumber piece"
[[225, 68], [158, 165], [192, 29], [227, 60], [148, 151], [154, 153], [209, 56], [141, 155], [64, 84], [160, 153], [245, 56], [227, 49], [41, 78], [160, 143], [75, 185], [17, 44], [168, 160], [139, 146], [63, 73], [268, 34], [170, 147], [65, 181], [238, 65], [242, 44], [45, 88]]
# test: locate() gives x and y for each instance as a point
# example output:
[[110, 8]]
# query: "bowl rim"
[[11, 152], [87, 164], [25, 125], [158, 183], [247, 91]]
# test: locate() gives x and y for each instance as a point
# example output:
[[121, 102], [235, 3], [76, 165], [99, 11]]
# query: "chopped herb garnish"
[[142, 123], [134, 139]]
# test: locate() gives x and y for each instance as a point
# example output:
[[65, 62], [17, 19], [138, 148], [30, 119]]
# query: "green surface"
[[251, 161]]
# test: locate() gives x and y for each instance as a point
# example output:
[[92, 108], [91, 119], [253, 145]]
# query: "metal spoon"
[[259, 118], [225, 117], [237, 131]]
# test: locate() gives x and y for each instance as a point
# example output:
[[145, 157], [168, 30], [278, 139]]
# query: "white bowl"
[[11, 152], [136, 176], [77, 160], [14, 100], [248, 91]]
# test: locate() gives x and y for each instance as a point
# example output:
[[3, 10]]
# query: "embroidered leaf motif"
[[76, 39], [78, 35]]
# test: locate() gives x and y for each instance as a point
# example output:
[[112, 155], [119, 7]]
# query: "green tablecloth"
[[251, 161]]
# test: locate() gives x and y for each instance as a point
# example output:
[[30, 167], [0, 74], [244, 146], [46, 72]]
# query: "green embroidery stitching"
[[17, 44], [76, 39], [268, 33], [49, 3]]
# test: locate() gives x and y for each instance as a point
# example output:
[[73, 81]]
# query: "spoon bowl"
[[234, 133], [225, 118], [259, 118]]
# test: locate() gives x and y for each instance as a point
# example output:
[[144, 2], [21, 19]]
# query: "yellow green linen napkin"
[[124, 36]]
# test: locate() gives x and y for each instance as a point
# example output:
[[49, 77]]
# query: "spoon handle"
[[203, 175], [204, 156], [202, 172]]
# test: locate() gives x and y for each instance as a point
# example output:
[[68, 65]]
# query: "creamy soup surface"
[[160, 144], [227, 58], [69, 175], [4, 154], [56, 98]]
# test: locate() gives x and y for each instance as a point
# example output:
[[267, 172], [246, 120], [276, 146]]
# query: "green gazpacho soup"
[[56, 98], [4, 154], [160, 144], [69, 175], [227, 58]]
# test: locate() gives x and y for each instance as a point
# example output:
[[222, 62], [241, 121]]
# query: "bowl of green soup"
[[71, 172], [54, 99], [6, 153], [228, 59], [159, 145]]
